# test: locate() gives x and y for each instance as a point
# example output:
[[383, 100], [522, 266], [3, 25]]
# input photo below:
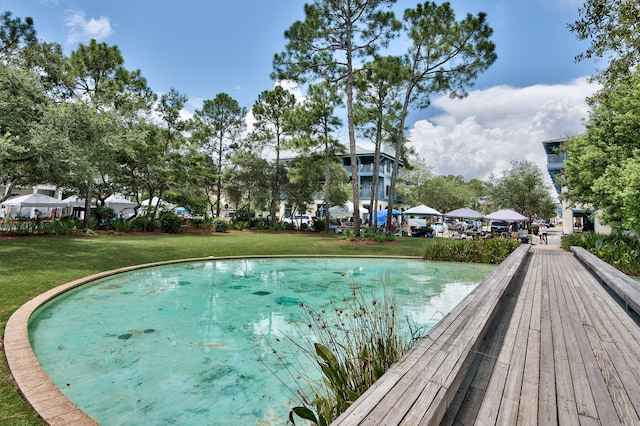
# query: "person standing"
[[543, 233]]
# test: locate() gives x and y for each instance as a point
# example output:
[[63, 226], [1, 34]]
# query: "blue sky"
[[535, 91]]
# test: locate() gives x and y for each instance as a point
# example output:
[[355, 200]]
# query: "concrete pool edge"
[[30, 378]]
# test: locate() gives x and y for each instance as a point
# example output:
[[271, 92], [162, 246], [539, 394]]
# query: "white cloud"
[[82, 29], [481, 134]]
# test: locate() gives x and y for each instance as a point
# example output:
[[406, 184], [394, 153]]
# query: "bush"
[[104, 216], [492, 251], [142, 224], [620, 251], [319, 225], [220, 225], [122, 225], [62, 226], [171, 222]]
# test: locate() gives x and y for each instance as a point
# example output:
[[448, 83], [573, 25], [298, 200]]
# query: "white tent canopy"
[[34, 200], [73, 201], [345, 210], [119, 203], [422, 210], [464, 213], [506, 215]]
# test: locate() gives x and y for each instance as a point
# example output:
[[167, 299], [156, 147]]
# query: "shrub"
[[170, 222], [104, 216], [492, 251], [220, 225], [620, 251], [122, 225], [319, 225], [62, 226]]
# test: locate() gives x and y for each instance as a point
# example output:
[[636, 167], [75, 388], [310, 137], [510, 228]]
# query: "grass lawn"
[[31, 266]]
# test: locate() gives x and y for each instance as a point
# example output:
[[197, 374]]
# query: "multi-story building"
[[575, 218], [366, 176]]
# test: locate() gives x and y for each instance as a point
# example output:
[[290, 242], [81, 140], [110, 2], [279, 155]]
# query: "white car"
[[299, 220]]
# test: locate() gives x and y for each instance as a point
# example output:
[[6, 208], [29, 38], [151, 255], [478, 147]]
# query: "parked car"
[[499, 226], [299, 220], [540, 222]]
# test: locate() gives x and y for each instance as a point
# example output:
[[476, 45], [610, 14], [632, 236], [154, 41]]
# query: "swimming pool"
[[193, 343]]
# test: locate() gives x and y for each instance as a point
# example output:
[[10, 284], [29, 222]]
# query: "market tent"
[[345, 210], [119, 203], [162, 204], [73, 201], [422, 210], [464, 213], [34, 200], [381, 216], [37, 200], [506, 215]]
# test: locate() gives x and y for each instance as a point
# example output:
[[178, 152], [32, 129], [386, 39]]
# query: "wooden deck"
[[562, 349]]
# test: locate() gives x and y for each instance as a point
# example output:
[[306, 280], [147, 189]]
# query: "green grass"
[[30, 266]]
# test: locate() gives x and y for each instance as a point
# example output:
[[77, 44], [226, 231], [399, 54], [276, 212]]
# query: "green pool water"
[[210, 343]]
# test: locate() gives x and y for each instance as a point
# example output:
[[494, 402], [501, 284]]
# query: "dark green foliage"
[[170, 222], [491, 251], [143, 224], [104, 216], [220, 225], [379, 236], [319, 225], [620, 251], [62, 226]]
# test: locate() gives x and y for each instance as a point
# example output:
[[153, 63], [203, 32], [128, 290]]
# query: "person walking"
[[542, 231]]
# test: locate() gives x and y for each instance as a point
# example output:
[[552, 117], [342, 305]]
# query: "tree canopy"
[[522, 188], [612, 28], [603, 165]]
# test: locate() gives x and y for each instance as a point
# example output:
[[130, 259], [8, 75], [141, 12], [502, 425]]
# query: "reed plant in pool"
[[354, 342]]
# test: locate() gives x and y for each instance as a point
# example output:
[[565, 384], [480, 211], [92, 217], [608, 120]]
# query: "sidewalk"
[[555, 240]]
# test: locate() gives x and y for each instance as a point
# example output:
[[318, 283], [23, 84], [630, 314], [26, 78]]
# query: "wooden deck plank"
[[596, 359], [559, 350], [565, 398], [575, 337], [617, 384]]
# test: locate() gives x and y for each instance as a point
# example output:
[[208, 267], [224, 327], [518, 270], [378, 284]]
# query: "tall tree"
[[248, 180], [603, 165], [327, 44], [97, 77], [522, 189], [15, 34], [316, 124], [612, 28], [445, 56], [170, 142], [377, 111], [218, 127], [270, 130]]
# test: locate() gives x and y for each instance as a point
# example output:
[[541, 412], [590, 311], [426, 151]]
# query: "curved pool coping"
[[31, 379]]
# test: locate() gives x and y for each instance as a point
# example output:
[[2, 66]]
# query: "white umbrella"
[[506, 215], [422, 210]]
